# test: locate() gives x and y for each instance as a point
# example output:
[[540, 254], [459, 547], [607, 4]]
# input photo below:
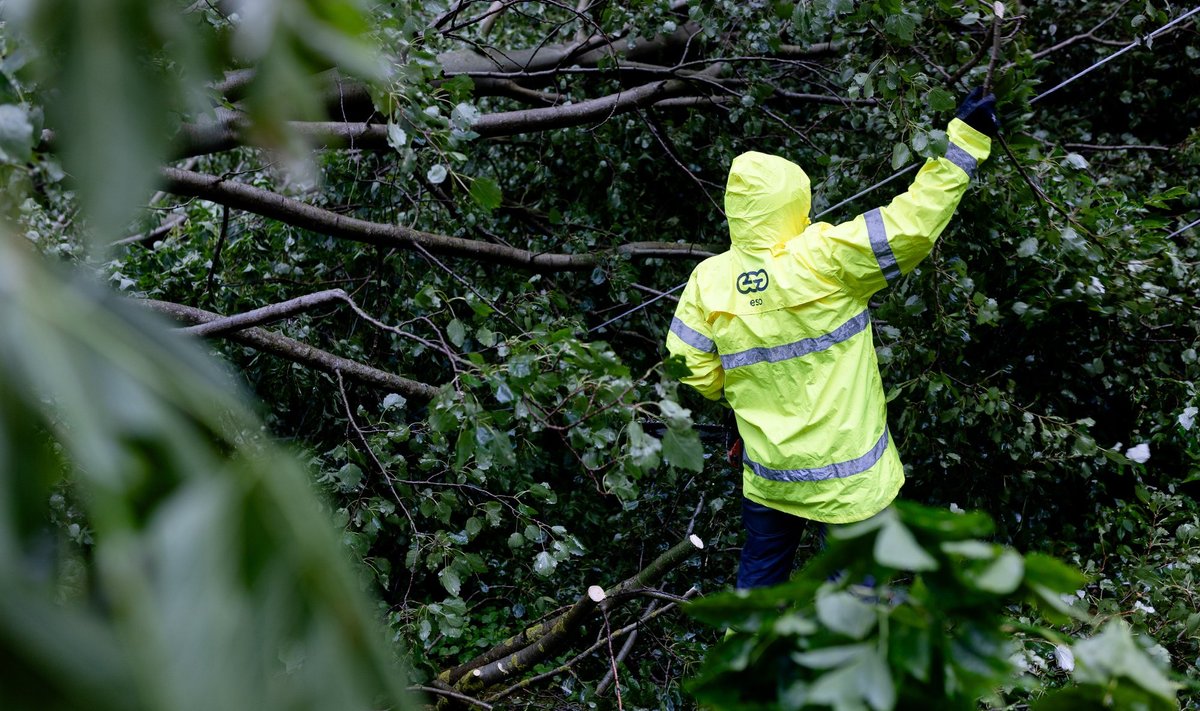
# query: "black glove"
[[979, 112]]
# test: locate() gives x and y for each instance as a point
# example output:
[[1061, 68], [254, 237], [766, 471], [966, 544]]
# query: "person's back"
[[779, 327]]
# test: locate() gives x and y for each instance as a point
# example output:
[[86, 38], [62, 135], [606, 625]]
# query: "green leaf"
[[900, 156], [868, 679], [900, 27], [942, 523], [1114, 655], [830, 657], [486, 193], [682, 449], [544, 564], [16, 134], [450, 580], [456, 332], [844, 613], [911, 645], [516, 540], [1053, 574], [396, 137], [1004, 575], [896, 548], [1077, 161], [349, 477], [941, 100]]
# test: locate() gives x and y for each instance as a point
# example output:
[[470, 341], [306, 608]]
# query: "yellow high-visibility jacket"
[[779, 327]]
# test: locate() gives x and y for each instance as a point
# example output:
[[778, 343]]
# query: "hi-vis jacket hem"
[[778, 326], [837, 470]]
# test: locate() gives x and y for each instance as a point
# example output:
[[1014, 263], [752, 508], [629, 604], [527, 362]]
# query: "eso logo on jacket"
[[750, 282]]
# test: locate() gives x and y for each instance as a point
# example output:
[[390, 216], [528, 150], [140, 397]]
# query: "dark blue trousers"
[[772, 538]]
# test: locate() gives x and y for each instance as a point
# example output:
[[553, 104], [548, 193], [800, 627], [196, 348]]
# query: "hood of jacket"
[[767, 200]]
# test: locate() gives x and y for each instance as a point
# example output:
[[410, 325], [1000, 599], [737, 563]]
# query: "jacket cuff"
[[976, 143]]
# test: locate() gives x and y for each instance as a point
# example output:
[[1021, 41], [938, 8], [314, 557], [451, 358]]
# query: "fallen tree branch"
[[628, 629], [542, 641], [451, 694], [302, 353], [265, 315], [315, 219]]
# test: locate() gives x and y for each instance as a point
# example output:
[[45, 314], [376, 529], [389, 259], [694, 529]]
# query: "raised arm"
[[878, 247]]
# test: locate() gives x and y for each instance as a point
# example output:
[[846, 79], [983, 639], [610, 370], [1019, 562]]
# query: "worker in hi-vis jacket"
[[778, 326]]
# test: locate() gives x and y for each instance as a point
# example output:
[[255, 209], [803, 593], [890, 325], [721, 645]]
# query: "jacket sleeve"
[[690, 336], [876, 248]]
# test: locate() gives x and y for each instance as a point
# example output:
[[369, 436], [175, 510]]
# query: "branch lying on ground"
[[630, 629], [302, 353], [316, 219], [544, 640]]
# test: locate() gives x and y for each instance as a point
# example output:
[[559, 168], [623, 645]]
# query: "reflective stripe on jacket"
[[779, 327]]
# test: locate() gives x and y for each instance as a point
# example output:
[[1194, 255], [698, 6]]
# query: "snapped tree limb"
[[315, 219], [300, 352], [544, 640]]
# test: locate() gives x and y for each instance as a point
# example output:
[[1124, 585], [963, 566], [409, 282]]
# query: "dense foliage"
[[489, 185]]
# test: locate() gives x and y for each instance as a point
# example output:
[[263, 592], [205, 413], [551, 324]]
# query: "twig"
[[449, 693], [613, 659], [610, 677], [1041, 194], [149, 238], [692, 523], [655, 292], [997, 18], [1126, 147], [365, 447], [1089, 35], [669, 149], [216, 259], [962, 71]]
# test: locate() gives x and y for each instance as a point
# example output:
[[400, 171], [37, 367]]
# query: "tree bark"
[[265, 315], [302, 353], [315, 219], [542, 641]]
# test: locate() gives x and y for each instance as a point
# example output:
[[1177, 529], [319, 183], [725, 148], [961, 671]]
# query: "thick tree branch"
[[542, 641], [629, 629], [302, 353], [229, 130], [315, 219], [549, 57], [265, 315]]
